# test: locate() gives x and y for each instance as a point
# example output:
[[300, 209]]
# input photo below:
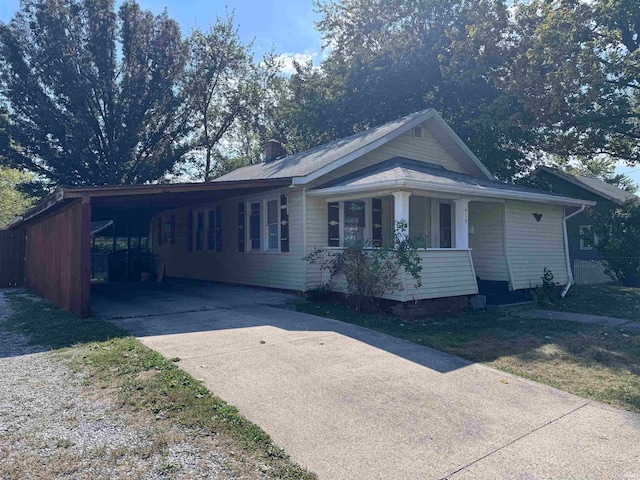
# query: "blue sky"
[[287, 25], [284, 24]]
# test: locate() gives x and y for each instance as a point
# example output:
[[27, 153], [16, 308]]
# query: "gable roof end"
[[312, 164]]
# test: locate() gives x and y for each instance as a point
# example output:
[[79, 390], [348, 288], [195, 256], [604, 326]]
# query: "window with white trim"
[[200, 230], [588, 239], [214, 229], [255, 226], [353, 221], [264, 225]]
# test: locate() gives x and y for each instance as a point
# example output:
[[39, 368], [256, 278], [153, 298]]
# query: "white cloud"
[[286, 60]]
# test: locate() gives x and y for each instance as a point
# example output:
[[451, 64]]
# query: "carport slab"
[[351, 403]]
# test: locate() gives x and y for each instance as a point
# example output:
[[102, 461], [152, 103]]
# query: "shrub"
[[369, 272]]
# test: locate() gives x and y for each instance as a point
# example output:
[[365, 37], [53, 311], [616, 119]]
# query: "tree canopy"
[[93, 95]]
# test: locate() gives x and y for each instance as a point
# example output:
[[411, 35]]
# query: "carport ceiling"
[[135, 204]]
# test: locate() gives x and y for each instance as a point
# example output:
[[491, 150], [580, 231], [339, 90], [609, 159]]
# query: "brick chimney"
[[273, 150]]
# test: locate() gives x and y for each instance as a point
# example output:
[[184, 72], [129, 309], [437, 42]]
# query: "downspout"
[[566, 249]]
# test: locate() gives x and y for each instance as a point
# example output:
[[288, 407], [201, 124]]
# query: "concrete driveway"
[[351, 403]]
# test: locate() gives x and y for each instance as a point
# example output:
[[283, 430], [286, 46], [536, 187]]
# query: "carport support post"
[[401, 208], [84, 267]]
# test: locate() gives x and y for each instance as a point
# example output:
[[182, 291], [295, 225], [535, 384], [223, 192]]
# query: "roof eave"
[[461, 190], [575, 181]]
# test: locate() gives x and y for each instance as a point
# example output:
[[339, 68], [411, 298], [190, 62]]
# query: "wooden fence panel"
[[11, 258], [58, 257]]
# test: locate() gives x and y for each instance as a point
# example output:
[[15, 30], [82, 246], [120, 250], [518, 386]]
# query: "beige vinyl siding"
[[266, 269], [317, 220], [487, 240], [533, 245], [426, 149], [445, 273]]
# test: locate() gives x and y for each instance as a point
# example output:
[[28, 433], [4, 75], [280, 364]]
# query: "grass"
[[595, 362], [609, 299], [145, 383]]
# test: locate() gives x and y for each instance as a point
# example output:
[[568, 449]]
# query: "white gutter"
[[566, 249], [475, 191]]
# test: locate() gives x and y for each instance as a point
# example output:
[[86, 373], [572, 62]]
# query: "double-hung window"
[[255, 225], [273, 225], [214, 229], [200, 231], [264, 225], [354, 221]]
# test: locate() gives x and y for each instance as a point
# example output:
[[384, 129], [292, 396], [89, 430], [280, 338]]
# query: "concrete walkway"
[[583, 318], [351, 403]]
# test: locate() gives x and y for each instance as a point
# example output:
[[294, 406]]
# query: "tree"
[[389, 58], [12, 201], [94, 96], [574, 66], [615, 233], [227, 91]]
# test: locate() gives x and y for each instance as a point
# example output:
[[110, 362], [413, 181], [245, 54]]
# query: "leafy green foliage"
[[12, 201], [227, 93], [615, 232], [410, 55], [94, 95], [575, 69], [369, 272]]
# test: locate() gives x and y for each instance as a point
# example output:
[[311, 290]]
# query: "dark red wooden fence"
[[58, 257], [11, 258]]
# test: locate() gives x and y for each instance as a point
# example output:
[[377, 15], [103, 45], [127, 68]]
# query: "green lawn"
[[594, 362], [145, 383], [610, 299]]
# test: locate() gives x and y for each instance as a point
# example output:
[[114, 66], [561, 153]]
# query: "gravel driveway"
[[54, 425]]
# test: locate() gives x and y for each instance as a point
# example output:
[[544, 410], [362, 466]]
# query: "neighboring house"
[[415, 169], [254, 225], [584, 257]]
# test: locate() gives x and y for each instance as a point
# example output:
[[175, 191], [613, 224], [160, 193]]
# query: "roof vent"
[[273, 150], [417, 132]]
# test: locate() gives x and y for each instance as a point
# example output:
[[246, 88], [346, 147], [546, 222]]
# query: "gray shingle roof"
[[308, 161], [398, 167], [594, 185]]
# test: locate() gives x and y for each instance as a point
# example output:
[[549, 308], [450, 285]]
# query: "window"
[[588, 239], [445, 225], [166, 231], [200, 231], [214, 230], [354, 221], [255, 225], [273, 225], [190, 231], [211, 230]]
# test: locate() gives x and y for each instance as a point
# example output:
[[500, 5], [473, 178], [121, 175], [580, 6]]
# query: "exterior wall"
[[573, 229], [487, 240], [285, 270], [58, 257], [445, 273], [533, 245], [426, 149], [559, 185]]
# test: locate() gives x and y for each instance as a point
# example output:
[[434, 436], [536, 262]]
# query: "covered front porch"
[[458, 225]]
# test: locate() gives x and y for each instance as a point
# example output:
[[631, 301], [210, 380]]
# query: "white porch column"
[[401, 208], [462, 223]]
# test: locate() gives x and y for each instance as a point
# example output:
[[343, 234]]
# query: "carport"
[[51, 243]]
